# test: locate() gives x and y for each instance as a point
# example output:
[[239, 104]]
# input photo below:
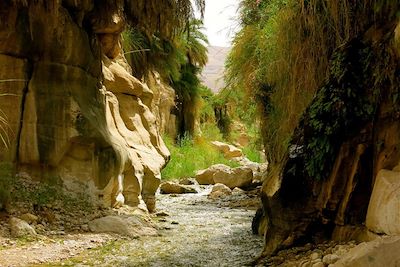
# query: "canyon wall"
[[74, 110], [345, 150]]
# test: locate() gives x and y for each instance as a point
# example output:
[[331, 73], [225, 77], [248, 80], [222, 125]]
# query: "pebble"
[[162, 214], [330, 258], [315, 256], [318, 264]]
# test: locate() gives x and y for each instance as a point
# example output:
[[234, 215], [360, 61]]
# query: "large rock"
[[206, 177], [20, 228], [132, 226], [174, 188], [231, 177], [236, 177], [228, 150], [383, 215], [380, 252]]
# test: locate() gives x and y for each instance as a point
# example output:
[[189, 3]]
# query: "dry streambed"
[[193, 231]]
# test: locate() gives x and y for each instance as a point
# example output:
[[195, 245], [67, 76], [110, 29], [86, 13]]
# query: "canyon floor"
[[193, 231]]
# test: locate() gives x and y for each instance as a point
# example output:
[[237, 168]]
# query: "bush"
[[190, 155]]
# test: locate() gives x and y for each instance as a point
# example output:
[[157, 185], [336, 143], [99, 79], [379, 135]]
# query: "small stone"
[[188, 181], [305, 263], [318, 264], [237, 191], [85, 227], [162, 214], [174, 188], [219, 190], [315, 256], [29, 218], [330, 258], [174, 222]]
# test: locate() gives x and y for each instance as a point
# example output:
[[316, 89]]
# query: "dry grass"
[[4, 127]]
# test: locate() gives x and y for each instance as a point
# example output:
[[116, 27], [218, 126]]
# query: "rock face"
[[380, 252], [20, 228], [330, 171], [383, 215], [231, 177], [174, 188], [74, 109], [228, 150]]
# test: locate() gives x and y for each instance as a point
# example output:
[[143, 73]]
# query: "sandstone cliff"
[[74, 109], [346, 146]]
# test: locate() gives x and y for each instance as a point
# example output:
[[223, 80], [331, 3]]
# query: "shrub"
[[190, 155]]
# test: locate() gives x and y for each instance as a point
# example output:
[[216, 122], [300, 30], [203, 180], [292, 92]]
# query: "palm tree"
[[188, 85], [179, 61], [195, 42]]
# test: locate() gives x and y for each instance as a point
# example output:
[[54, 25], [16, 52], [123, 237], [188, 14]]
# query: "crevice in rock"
[[30, 67]]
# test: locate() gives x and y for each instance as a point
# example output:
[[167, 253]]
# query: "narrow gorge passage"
[[197, 231]]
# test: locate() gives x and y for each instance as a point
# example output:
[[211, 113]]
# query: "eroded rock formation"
[[73, 107], [347, 142]]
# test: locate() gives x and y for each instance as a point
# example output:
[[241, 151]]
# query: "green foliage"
[[153, 53], [179, 61], [351, 97], [191, 155], [253, 153], [206, 108]]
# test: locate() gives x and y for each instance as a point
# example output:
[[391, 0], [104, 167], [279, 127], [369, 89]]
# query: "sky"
[[219, 21]]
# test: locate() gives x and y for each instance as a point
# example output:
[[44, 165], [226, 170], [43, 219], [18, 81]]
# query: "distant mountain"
[[212, 75]]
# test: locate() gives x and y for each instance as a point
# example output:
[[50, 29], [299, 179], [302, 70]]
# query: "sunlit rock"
[[174, 188], [383, 215]]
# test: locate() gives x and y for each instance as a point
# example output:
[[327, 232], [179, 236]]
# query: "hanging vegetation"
[[281, 57], [178, 60]]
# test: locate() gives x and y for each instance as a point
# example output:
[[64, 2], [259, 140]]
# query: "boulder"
[[236, 177], [228, 150], [219, 190], [132, 226], [174, 188], [205, 177], [21, 228], [383, 214], [29, 218], [188, 181], [380, 252]]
